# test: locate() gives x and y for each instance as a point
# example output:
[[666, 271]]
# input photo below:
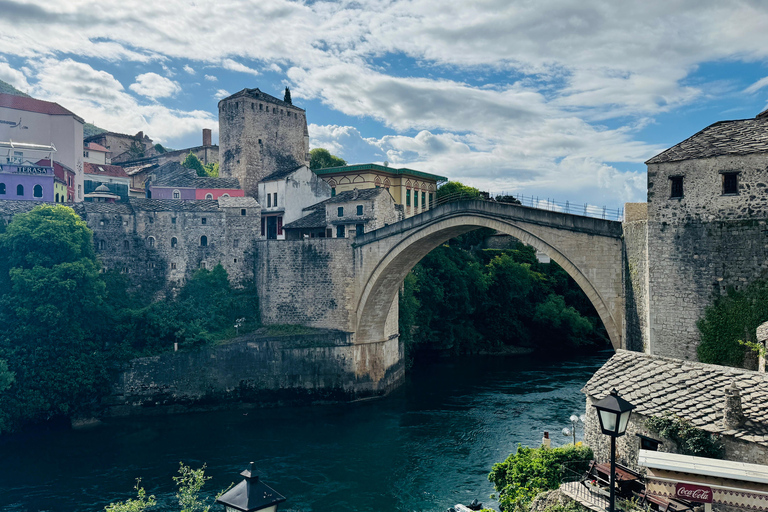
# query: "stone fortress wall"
[[260, 134], [700, 244]]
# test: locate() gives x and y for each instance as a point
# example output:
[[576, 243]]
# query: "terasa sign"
[[691, 492]]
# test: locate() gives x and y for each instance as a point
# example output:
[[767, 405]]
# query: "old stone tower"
[[258, 135]]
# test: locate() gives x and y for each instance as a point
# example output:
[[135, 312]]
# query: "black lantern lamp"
[[250, 495], [613, 413]]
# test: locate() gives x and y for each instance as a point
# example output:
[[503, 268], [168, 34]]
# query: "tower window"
[[243, 211], [676, 183], [203, 241], [174, 241], [730, 183], [203, 221]]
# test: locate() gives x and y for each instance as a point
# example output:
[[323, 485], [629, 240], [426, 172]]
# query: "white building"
[[283, 195], [32, 121]]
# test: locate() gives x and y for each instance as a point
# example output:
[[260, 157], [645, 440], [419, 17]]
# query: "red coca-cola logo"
[[693, 492]]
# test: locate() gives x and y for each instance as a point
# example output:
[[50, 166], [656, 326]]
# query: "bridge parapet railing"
[[582, 209]]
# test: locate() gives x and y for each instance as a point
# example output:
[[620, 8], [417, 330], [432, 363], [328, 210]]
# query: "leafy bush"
[[530, 471], [689, 439]]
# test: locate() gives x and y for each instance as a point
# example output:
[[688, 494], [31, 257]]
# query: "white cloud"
[[211, 78], [221, 93], [757, 85], [98, 97], [13, 76], [236, 66], [189, 69], [154, 86]]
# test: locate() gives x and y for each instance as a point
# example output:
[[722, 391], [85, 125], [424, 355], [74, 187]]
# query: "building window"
[[423, 200], [224, 195], [126, 244], [236, 243], [203, 221], [676, 183], [151, 220], [274, 199], [202, 264], [430, 200], [359, 209], [173, 220], [174, 242], [280, 225], [408, 197], [203, 241], [102, 245], [333, 191], [359, 229], [19, 190], [2, 188], [340, 231], [176, 194], [263, 225], [415, 198], [340, 211], [261, 106], [57, 197], [209, 196], [243, 212], [730, 183], [269, 200], [151, 241], [173, 266], [328, 233]]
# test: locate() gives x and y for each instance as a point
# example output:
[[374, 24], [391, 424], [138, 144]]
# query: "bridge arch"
[[399, 252]]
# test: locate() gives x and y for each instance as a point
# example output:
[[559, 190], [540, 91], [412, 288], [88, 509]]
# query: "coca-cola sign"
[[692, 492]]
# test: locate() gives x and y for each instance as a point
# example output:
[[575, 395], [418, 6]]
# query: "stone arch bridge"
[[590, 250], [352, 288]]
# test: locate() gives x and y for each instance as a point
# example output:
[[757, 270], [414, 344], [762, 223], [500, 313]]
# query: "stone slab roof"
[[117, 208], [11, 207], [174, 205], [741, 137], [173, 174], [281, 173], [316, 219], [238, 202], [348, 196], [691, 390]]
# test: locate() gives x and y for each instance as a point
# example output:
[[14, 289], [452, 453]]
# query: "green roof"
[[376, 167]]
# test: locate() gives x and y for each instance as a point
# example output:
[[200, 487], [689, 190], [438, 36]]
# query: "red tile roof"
[[104, 170], [92, 146], [33, 105]]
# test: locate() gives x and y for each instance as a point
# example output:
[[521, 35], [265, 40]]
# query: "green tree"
[[190, 482], [52, 299], [455, 190], [530, 471], [141, 503], [160, 149], [212, 169], [287, 96], [321, 158], [194, 163]]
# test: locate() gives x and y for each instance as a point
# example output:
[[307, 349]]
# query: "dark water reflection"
[[427, 447]]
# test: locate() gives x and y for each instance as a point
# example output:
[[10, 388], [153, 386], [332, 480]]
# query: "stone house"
[[174, 181], [285, 194], [705, 230], [729, 402], [414, 190], [346, 215], [123, 147], [207, 153]]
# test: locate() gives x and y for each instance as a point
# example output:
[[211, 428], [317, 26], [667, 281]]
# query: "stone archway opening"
[[383, 282]]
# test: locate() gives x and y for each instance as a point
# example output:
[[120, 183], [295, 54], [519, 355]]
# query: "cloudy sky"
[[555, 98]]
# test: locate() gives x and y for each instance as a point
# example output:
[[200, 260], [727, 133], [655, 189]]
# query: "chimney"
[[733, 417], [206, 136]]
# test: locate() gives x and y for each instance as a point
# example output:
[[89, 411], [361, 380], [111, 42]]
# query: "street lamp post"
[[613, 413]]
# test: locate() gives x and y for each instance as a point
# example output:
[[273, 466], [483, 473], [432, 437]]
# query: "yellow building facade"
[[414, 190]]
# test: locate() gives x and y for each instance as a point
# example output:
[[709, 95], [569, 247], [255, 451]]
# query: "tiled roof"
[[117, 208], [691, 390], [280, 174], [33, 105], [104, 170], [173, 174], [11, 207], [238, 202], [92, 146], [379, 168], [316, 219], [740, 137], [169, 205], [348, 196], [258, 94]]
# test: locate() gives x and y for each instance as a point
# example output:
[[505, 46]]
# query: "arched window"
[[57, 197], [37, 191], [151, 241], [209, 196], [176, 194], [203, 241], [227, 195], [2, 188], [19, 190], [174, 241]]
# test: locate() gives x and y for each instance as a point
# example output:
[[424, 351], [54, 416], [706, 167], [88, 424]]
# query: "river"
[[426, 447]]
